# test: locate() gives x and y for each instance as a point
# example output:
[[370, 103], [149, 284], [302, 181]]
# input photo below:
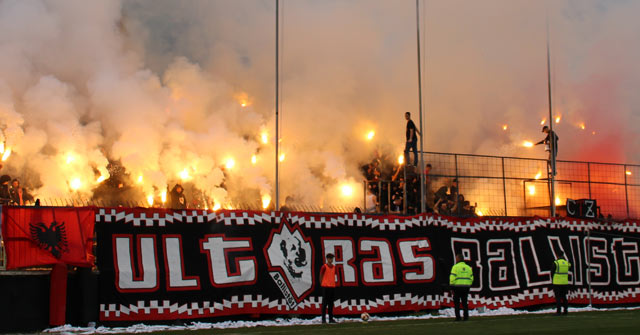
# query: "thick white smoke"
[[159, 86]]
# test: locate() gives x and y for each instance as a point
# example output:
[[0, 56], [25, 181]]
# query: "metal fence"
[[511, 186]]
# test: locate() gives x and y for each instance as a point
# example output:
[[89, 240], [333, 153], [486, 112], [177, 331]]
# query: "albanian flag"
[[36, 236]]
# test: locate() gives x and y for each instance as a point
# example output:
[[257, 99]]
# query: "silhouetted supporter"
[[371, 201], [19, 195], [551, 146], [445, 193], [177, 199], [412, 140], [5, 194]]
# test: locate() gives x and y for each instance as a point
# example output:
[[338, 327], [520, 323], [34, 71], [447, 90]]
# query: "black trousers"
[[560, 291], [460, 297], [328, 294]]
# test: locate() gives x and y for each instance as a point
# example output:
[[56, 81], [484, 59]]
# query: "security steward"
[[560, 282], [460, 280]]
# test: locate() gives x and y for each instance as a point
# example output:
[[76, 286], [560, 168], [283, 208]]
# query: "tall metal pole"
[[552, 135], [277, 103], [422, 204]]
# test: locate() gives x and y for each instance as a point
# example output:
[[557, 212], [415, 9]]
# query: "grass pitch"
[[582, 323]]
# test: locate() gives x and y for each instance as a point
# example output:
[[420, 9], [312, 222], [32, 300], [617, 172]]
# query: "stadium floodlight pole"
[[422, 188], [277, 208], [552, 144]]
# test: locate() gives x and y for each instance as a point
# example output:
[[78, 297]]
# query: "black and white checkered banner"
[[164, 265]]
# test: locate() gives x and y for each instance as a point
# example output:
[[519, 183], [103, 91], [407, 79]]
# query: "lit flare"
[[347, 190], [230, 163], [527, 144], [75, 184], [6, 154], [370, 135], [184, 175], [266, 200]]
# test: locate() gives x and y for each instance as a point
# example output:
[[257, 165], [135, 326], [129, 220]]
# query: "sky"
[[159, 86]]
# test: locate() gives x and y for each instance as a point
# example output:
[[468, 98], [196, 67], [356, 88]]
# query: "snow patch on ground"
[[444, 313]]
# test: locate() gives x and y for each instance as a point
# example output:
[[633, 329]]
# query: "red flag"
[[48, 235]]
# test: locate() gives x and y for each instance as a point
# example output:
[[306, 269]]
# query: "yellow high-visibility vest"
[[461, 275], [561, 275]]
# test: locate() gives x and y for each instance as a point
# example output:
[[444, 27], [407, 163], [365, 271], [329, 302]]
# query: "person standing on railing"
[[551, 146], [412, 140]]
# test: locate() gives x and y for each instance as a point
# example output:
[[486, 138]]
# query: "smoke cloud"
[[183, 92]]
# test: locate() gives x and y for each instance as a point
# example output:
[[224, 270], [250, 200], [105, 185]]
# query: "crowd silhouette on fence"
[[12, 193], [393, 185]]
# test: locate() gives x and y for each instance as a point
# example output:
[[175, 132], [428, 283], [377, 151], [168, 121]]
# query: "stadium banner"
[[158, 264], [48, 235]]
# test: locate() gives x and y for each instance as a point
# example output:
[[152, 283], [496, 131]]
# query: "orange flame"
[[243, 99], [266, 200], [6, 154], [370, 135], [75, 184], [230, 163], [347, 190]]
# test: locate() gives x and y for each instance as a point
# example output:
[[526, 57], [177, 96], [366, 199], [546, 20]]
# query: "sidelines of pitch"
[[445, 313]]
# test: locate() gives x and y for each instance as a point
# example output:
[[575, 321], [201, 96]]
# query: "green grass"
[[609, 322]]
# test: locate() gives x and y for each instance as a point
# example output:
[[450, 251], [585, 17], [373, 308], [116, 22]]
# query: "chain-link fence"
[[510, 186]]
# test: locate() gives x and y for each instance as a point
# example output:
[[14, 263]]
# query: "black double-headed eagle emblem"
[[52, 238]]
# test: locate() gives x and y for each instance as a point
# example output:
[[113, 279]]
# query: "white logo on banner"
[[291, 256]]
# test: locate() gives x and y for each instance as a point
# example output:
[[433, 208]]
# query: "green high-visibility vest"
[[561, 275], [461, 275]]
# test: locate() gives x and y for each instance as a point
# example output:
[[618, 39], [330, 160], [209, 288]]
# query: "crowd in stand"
[[11, 193], [388, 185]]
